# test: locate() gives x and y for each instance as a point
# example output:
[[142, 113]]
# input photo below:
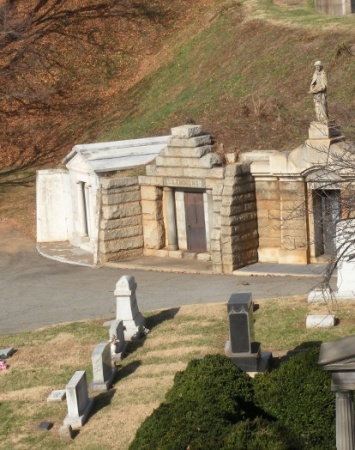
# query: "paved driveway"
[[35, 291]]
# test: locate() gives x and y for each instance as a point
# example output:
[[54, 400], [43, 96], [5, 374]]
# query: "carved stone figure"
[[319, 90]]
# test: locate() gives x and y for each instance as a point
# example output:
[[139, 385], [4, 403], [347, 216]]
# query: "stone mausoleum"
[[268, 206]]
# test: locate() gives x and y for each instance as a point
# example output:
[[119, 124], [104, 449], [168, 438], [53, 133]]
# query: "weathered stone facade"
[[120, 231], [225, 203], [293, 191]]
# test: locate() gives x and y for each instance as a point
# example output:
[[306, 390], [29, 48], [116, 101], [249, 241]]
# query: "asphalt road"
[[35, 291]]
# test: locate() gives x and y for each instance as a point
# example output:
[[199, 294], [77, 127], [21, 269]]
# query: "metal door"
[[327, 212], [195, 221]]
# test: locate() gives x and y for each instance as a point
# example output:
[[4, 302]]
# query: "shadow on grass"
[[127, 370], [102, 401], [160, 317], [151, 322]]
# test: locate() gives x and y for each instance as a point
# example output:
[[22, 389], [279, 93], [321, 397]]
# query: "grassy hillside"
[[245, 76], [240, 68]]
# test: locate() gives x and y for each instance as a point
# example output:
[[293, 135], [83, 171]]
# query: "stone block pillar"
[[152, 210], [294, 235]]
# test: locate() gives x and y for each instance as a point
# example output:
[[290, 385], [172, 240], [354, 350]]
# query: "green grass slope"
[[243, 71]]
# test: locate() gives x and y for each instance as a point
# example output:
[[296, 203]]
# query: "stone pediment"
[[79, 164]]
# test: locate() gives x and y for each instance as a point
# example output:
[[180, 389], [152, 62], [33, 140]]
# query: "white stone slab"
[[78, 402], [7, 352], [320, 321], [103, 372], [57, 396]]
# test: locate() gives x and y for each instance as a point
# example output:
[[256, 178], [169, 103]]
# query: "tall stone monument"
[[127, 308]]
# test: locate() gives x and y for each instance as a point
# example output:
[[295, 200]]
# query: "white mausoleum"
[[269, 206]]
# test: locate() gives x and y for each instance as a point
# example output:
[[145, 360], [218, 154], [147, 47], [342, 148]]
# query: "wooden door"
[[195, 221]]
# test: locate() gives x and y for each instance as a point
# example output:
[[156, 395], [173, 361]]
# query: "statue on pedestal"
[[318, 89]]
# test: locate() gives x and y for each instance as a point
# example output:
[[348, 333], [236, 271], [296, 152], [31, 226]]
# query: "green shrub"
[[205, 401], [215, 380], [180, 425], [298, 395], [214, 405], [259, 434]]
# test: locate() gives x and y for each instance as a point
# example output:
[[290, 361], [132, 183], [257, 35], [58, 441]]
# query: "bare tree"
[[49, 51]]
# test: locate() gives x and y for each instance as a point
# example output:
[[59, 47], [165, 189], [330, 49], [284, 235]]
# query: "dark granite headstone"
[[241, 348], [241, 323]]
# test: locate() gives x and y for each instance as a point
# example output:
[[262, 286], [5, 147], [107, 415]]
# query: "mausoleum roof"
[[118, 155]]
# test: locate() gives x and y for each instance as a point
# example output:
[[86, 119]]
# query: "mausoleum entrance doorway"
[[327, 212], [195, 222]]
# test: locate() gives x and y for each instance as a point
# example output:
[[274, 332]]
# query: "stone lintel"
[[184, 182], [150, 180]]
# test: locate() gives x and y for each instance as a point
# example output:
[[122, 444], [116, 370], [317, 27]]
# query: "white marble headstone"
[[78, 402], [103, 372]]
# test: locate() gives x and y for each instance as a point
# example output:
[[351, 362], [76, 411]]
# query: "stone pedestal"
[[127, 308]]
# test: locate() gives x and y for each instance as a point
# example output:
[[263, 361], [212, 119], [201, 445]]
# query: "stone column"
[[82, 220], [209, 213], [171, 218], [87, 196], [345, 435]]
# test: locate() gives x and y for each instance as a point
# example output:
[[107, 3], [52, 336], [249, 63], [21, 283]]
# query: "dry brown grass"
[[145, 376]]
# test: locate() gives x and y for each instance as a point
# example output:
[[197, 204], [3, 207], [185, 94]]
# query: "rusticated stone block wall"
[[153, 221], [239, 227], [121, 231]]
